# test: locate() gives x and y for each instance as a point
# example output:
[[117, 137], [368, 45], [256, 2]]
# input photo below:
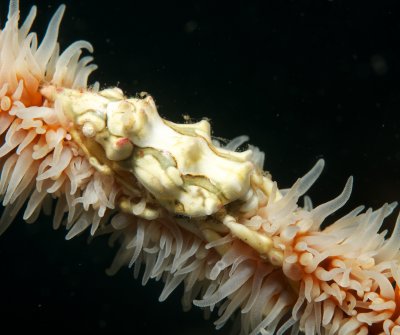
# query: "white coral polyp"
[[345, 275], [39, 160], [339, 280]]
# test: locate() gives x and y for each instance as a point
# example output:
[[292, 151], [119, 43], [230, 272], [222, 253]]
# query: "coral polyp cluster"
[[182, 205]]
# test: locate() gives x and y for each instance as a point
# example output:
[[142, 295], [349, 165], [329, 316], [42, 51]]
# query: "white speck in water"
[[379, 64], [190, 26]]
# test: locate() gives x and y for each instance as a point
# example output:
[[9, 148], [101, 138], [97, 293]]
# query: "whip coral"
[[184, 206]]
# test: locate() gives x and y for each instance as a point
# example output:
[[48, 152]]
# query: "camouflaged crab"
[[178, 164]]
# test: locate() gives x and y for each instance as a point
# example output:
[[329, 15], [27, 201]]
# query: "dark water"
[[305, 79]]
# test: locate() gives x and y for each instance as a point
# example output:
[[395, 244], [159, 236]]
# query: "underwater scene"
[[304, 80]]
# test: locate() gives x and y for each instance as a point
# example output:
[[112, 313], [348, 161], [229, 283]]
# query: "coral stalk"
[[187, 208]]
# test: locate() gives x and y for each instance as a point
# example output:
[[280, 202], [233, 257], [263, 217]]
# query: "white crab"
[[178, 164]]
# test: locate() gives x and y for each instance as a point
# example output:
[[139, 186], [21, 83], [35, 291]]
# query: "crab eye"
[[92, 122], [88, 129]]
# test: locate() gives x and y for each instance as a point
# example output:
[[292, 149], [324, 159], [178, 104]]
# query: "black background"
[[305, 79]]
